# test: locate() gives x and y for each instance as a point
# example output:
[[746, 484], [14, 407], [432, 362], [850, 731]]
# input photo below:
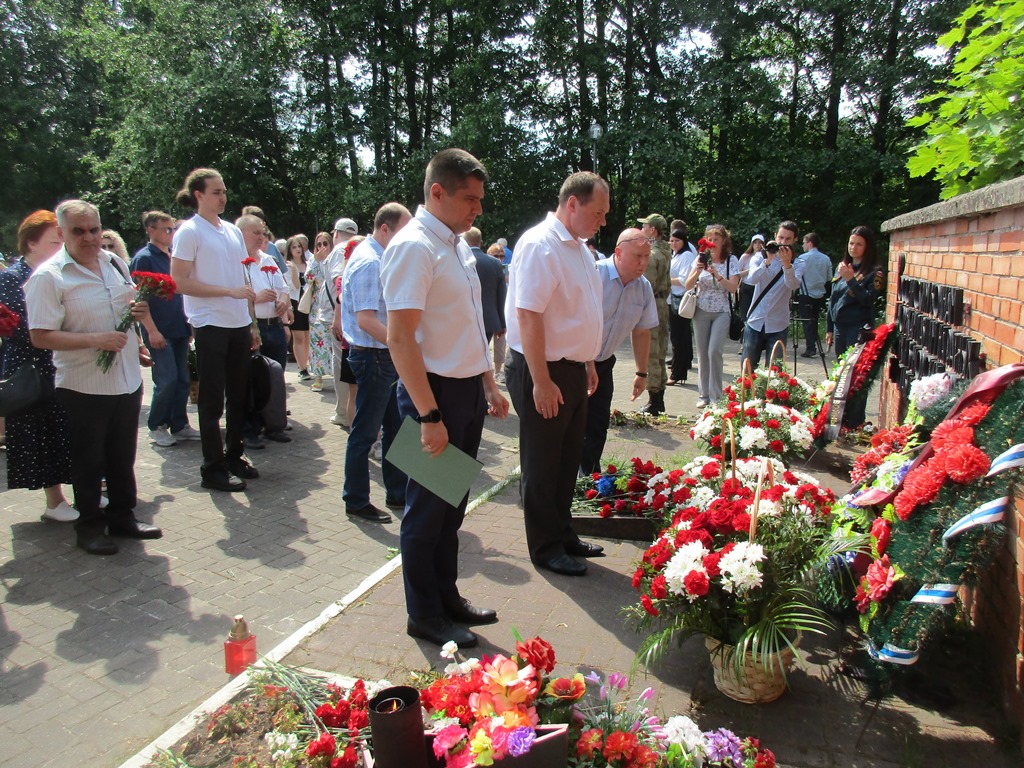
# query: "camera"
[[772, 247], [704, 258]]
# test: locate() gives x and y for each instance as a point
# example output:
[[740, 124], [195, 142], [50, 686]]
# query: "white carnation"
[[753, 437], [702, 497]]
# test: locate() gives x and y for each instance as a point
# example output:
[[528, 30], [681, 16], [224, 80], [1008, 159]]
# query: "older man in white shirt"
[[555, 320], [75, 301]]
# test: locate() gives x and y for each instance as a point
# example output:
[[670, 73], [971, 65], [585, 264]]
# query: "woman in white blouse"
[[715, 272]]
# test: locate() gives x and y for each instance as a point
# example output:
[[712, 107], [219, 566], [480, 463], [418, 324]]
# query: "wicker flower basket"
[[754, 684]]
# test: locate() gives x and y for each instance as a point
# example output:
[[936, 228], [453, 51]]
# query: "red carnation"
[[648, 605], [270, 269], [710, 563], [769, 394], [773, 424], [612, 469], [591, 494], [696, 583], [783, 395], [324, 746], [607, 511], [777, 445], [921, 486], [659, 588], [964, 463], [248, 261]]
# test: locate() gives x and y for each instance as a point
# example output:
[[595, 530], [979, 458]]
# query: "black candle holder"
[[396, 728]]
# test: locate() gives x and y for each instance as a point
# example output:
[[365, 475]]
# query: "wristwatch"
[[432, 417]]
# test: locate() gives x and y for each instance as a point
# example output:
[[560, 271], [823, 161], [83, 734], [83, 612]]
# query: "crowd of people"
[[403, 320]]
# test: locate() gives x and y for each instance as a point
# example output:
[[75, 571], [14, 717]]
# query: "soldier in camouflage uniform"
[[656, 227]]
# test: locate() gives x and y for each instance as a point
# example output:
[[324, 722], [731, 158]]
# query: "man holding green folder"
[[439, 348]]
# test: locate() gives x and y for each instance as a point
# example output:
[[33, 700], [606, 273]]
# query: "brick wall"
[[976, 242]]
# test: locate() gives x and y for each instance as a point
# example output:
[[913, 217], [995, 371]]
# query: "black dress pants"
[[680, 333], [429, 539], [599, 414], [104, 431], [550, 451], [223, 357]]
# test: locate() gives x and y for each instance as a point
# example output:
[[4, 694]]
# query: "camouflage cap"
[[657, 221]]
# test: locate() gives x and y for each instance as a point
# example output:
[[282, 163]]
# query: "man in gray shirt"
[[811, 298], [775, 274]]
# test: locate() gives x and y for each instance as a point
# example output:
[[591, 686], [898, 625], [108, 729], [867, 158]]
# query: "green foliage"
[[974, 125], [721, 111]]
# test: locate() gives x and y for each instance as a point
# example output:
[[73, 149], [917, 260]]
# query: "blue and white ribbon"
[[936, 594], [989, 512], [891, 654], [1009, 459]]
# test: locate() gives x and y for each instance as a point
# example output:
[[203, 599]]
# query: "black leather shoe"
[[277, 437], [585, 549], [96, 543], [369, 513], [439, 630], [392, 504], [133, 529], [241, 468], [565, 565], [465, 612], [219, 479], [809, 353]]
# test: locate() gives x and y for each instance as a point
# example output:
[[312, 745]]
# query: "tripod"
[[797, 322]]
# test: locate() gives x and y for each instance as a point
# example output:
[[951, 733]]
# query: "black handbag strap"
[[761, 295]]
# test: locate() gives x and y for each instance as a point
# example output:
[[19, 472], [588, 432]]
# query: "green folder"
[[449, 475]]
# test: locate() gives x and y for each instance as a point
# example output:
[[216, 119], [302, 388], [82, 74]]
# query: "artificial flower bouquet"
[[623, 733], [858, 367], [733, 561], [148, 285], [931, 524], [485, 710]]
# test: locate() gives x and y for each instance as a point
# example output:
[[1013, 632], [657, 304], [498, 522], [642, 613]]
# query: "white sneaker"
[[104, 502], [338, 421], [62, 513], [317, 385], [162, 437], [186, 433], [378, 451]]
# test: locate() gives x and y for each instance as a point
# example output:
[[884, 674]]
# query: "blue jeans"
[[376, 409], [170, 386], [757, 343]]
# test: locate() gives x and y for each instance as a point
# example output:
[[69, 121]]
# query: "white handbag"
[[688, 306]]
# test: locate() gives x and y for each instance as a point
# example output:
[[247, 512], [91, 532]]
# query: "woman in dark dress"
[[37, 439], [296, 257]]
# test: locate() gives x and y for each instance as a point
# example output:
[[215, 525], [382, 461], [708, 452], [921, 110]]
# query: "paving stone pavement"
[[98, 656]]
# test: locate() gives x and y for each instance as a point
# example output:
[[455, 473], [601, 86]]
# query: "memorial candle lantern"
[[239, 648], [396, 728]]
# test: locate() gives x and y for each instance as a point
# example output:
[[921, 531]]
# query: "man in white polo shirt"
[[75, 301], [555, 319], [206, 264], [439, 348]]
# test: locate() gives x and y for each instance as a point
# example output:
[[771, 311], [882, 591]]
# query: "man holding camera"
[[775, 274]]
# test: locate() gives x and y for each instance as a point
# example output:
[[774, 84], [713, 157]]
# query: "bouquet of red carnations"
[[9, 322], [148, 285]]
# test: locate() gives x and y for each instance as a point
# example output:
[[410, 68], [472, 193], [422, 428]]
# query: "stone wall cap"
[[994, 197]]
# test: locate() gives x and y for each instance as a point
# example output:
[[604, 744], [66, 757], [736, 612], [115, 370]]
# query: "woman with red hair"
[[38, 450]]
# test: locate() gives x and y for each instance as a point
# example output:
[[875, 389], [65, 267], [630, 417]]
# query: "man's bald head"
[[473, 237], [632, 254]]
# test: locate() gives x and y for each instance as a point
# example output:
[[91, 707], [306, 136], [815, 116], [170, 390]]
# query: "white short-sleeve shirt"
[[62, 295], [430, 268], [216, 253], [261, 277], [553, 273]]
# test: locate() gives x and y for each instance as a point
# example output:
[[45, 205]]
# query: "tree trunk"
[[880, 130]]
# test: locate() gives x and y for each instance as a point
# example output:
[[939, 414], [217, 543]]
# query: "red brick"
[[983, 325], [974, 225], [974, 281], [1010, 241], [971, 263], [957, 261], [962, 225], [982, 264], [1007, 286], [990, 285]]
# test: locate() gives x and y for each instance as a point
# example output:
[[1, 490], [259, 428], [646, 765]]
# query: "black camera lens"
[[771, 246]]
